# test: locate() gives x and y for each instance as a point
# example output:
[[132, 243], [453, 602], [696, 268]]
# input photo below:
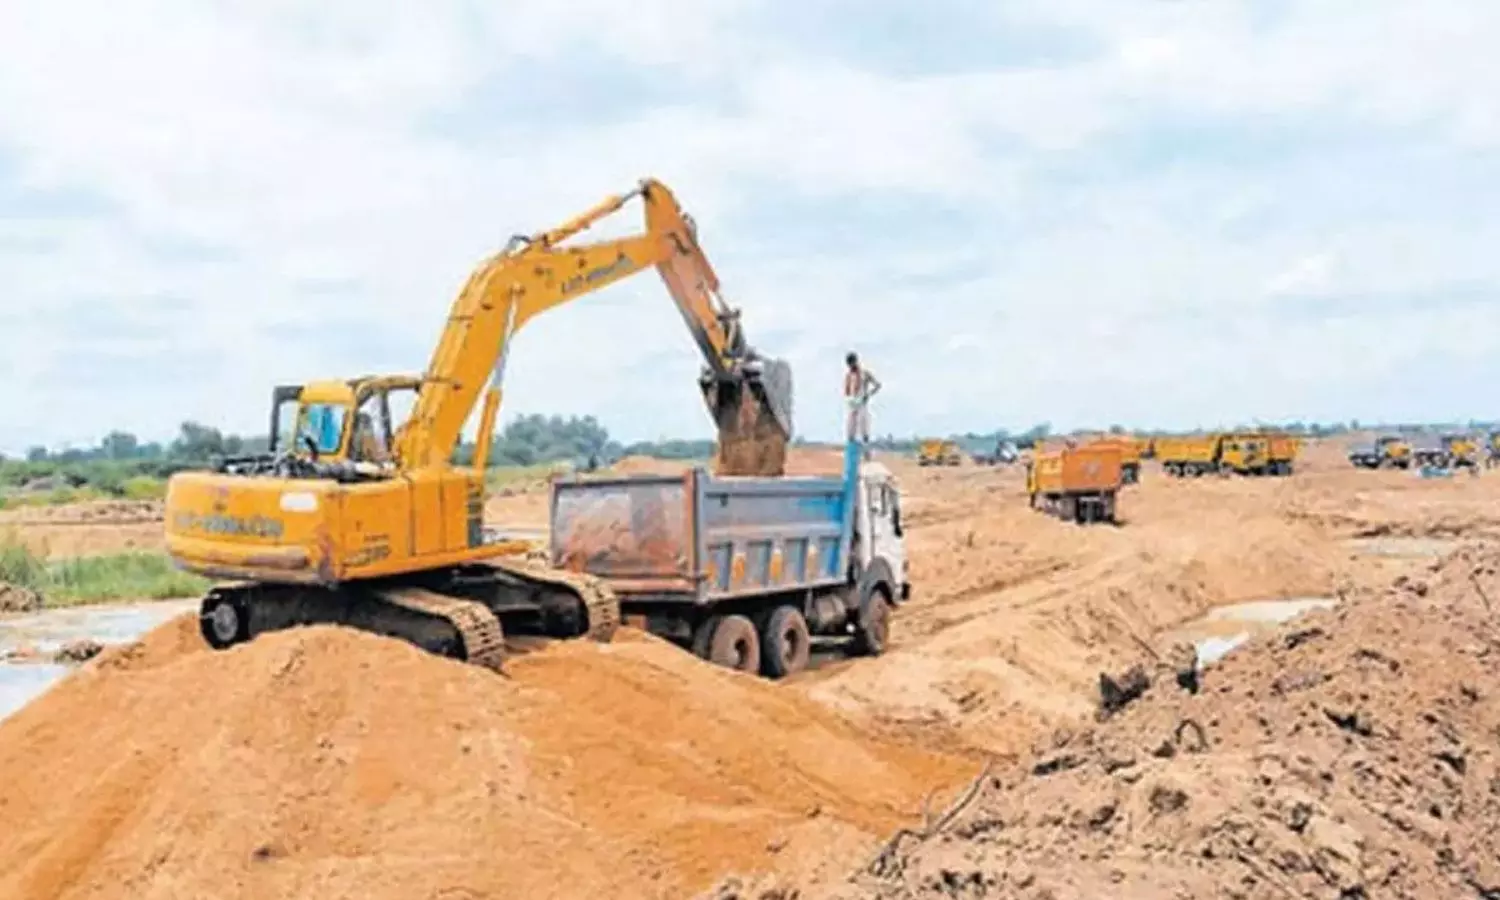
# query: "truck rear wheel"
[[786, 643], [735, 645], [703, 636]]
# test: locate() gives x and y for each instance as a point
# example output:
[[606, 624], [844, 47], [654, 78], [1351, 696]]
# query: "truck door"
[[887, 530]]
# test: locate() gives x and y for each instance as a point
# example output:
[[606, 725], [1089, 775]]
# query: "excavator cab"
[[346, 430]]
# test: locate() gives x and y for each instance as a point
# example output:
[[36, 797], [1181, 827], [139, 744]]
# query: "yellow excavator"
[[354, 518]]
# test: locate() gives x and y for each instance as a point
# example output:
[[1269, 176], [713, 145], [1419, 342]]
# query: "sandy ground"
[[353, 766]]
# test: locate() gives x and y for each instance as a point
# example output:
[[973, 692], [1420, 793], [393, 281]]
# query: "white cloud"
[[291, 190]]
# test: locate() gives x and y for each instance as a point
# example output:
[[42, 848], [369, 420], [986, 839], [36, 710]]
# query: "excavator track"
[[479, 629], [600, 603], [469, 629]]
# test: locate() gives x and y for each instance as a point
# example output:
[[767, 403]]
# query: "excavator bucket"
[[754, 420]]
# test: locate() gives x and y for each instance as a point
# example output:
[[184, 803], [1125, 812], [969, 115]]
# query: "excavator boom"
[[750, 398]]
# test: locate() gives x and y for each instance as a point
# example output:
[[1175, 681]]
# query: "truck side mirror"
[[896, 518]]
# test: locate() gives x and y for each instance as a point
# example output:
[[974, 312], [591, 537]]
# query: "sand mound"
[[1351, 755], [332, 763], [749, 457], [814, 461], [1017, 614], [647, 465]]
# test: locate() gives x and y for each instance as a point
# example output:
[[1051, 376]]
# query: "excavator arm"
[[749, 397]]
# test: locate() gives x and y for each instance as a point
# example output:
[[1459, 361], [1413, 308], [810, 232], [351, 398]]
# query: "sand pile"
[[1016, 614], [1353, 754], [88, 512], [326, 762], [647, 465]]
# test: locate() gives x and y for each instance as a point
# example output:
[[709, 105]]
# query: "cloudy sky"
[[1153, 212]]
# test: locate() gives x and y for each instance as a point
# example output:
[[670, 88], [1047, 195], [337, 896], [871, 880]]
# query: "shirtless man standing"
[[859, 386]]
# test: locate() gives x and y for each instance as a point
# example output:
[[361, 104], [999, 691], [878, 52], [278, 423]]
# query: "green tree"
[[119, 445]]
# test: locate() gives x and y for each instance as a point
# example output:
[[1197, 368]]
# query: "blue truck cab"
[[744, 571]]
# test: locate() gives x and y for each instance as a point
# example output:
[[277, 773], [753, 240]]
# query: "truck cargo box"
[[1202, 449], [700, 537], [1077, 484], [1092, 468], [1130, 454]]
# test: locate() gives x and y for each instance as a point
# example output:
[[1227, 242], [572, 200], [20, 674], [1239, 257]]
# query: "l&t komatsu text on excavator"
[[349, 520]]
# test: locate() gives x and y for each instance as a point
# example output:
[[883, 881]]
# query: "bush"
[[144, 487], [19, 566]]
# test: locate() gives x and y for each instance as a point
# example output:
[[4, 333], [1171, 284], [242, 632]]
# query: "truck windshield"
[[322, 426]]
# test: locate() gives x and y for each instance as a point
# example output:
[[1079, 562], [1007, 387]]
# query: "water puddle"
[[1225, 628], [47, 631], [1403, 547]]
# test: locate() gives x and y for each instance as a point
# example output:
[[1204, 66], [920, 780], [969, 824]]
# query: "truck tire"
[[703, 636], [1068, 509], [735, 645], [786, 643], [872, 630]]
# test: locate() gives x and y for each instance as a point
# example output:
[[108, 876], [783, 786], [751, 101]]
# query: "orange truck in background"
[[1281, 453], [1077, 484], [1130, 454]]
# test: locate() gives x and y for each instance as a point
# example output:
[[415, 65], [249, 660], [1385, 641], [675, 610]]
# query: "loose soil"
[[343, 764], [1353, 754]]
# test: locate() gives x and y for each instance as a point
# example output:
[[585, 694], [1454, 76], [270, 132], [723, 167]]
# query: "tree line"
[[121, 456], [527, 440]]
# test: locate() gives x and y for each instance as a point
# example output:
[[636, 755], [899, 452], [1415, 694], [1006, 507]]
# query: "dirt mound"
[[324, 761], [90, 512], [14, 599], [1353, 754], [1016, 614], [647, 465], [815, 461]]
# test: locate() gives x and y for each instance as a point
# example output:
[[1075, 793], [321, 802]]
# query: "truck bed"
[[1092, 468], [1203, 449], [699, 537]]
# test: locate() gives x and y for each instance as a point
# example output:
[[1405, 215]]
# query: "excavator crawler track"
[[478, 629], [600, 604], [457, 625]]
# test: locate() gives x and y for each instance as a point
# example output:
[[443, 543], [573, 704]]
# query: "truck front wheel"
[[786, 644], [735, 645], [873, 629]]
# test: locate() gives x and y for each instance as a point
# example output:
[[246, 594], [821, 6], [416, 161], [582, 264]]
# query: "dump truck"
[[1461, 451], [742, 571], [1005, 453], [1281, 453], [1077, 484], [939, 452], [1388, 451], [1492, 450], [1450, 450], [1222, 454], [365, 520]]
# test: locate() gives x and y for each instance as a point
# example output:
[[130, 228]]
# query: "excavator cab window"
[[321, 428], [372, 431], [284, 422]]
